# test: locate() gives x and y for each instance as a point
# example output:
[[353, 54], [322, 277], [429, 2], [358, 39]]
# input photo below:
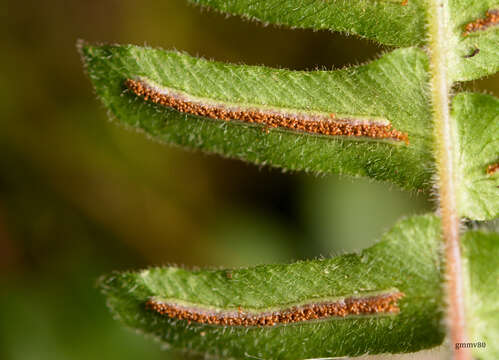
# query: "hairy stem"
[[446, 145]]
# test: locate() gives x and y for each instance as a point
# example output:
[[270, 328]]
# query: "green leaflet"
[[407, 259], [386, 21], [482, 263], [477, 117], [392, 88], [481, 43], [391, 22]]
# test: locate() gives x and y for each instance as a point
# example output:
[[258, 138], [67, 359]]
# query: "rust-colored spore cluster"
[[379, 304], [492, 169], [491, 19], [329, 126]]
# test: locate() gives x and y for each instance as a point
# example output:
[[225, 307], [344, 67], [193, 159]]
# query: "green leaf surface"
[[481, 251], [393, 88], [477, 117], [386, 21], [407, 259], [391, 22], [477, 54]]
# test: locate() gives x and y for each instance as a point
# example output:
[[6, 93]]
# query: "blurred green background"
[[80, 196]]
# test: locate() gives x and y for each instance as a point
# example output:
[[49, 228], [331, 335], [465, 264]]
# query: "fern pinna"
[[396, 119]]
